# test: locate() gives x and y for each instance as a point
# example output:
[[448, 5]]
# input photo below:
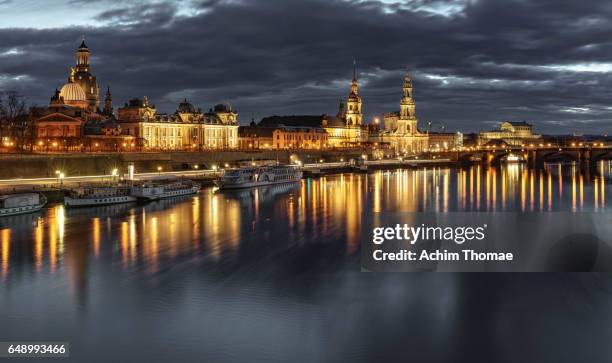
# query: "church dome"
[[185, 107], [72, 92]]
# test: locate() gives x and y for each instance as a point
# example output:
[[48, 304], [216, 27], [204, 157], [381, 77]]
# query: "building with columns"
[[62, 125], [511, 133], [74, 120], [187, 128], [401, 130]]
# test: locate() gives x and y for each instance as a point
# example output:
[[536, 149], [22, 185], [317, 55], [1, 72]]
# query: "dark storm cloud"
[[474, 62], [140, 14]]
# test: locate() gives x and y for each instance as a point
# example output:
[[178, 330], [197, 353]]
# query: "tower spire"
[[354, 85], [108, 102], [353, 110]]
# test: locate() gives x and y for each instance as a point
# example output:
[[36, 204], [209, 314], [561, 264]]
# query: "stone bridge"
[[532, 155]]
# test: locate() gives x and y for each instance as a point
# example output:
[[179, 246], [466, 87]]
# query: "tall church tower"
[[353, 105], [108, 103], [407, 122], [85, 79]]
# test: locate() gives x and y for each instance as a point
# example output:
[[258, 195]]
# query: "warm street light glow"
[[214, 167], [114, 172]]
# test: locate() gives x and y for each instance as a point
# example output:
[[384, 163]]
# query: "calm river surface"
[[273, 275]]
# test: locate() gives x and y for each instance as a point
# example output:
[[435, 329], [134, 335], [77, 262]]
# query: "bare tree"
[[13, 117]]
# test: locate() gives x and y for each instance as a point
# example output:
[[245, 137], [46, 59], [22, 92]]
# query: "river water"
[[273, 274]]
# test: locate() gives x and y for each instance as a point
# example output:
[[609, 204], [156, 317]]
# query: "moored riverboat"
[[91, 195], [250, 177], [153, 191], [21, 203]]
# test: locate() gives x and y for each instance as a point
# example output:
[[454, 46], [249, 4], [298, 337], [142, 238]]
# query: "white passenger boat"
[[513, 159], [258, 176], [13, 204], [154, 191], [98, 195]]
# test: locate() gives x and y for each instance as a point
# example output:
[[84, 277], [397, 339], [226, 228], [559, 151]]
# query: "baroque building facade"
[[187, 128], [282, 138], [347, 129], [344, 130], [511, 133], [401, 130], [74, 120]]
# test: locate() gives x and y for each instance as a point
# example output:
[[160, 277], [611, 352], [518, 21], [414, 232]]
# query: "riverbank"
[[46, 165]]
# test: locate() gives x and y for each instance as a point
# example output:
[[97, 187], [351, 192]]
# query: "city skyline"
[[470, 72]]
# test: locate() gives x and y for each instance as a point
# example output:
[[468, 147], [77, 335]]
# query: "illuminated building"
[[255, 138], [73, 121], [300, 138], [445, 140], [282, 137], [512, 133], [346, 129], [83, 77], [401, 131], [185, 129]]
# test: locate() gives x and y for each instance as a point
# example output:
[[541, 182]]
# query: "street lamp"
[[159, 169]]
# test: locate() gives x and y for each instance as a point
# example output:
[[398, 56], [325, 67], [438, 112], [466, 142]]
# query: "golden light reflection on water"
[[596, 191], [216, 224], [38, 243], [96, 236], [5, 237]]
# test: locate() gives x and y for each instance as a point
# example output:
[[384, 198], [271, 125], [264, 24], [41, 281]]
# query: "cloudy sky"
[[474, 62]]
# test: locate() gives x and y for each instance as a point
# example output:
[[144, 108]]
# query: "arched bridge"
[[532, 155]]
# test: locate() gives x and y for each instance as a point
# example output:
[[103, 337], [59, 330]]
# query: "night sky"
[[474, 62]]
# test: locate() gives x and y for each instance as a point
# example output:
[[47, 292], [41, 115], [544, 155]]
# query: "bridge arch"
[[558, 156], [603, 155]]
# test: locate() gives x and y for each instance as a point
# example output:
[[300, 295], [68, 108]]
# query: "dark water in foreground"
[[273, 274]]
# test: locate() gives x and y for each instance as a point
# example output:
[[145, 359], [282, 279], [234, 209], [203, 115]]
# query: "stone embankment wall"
[[82, 164]]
